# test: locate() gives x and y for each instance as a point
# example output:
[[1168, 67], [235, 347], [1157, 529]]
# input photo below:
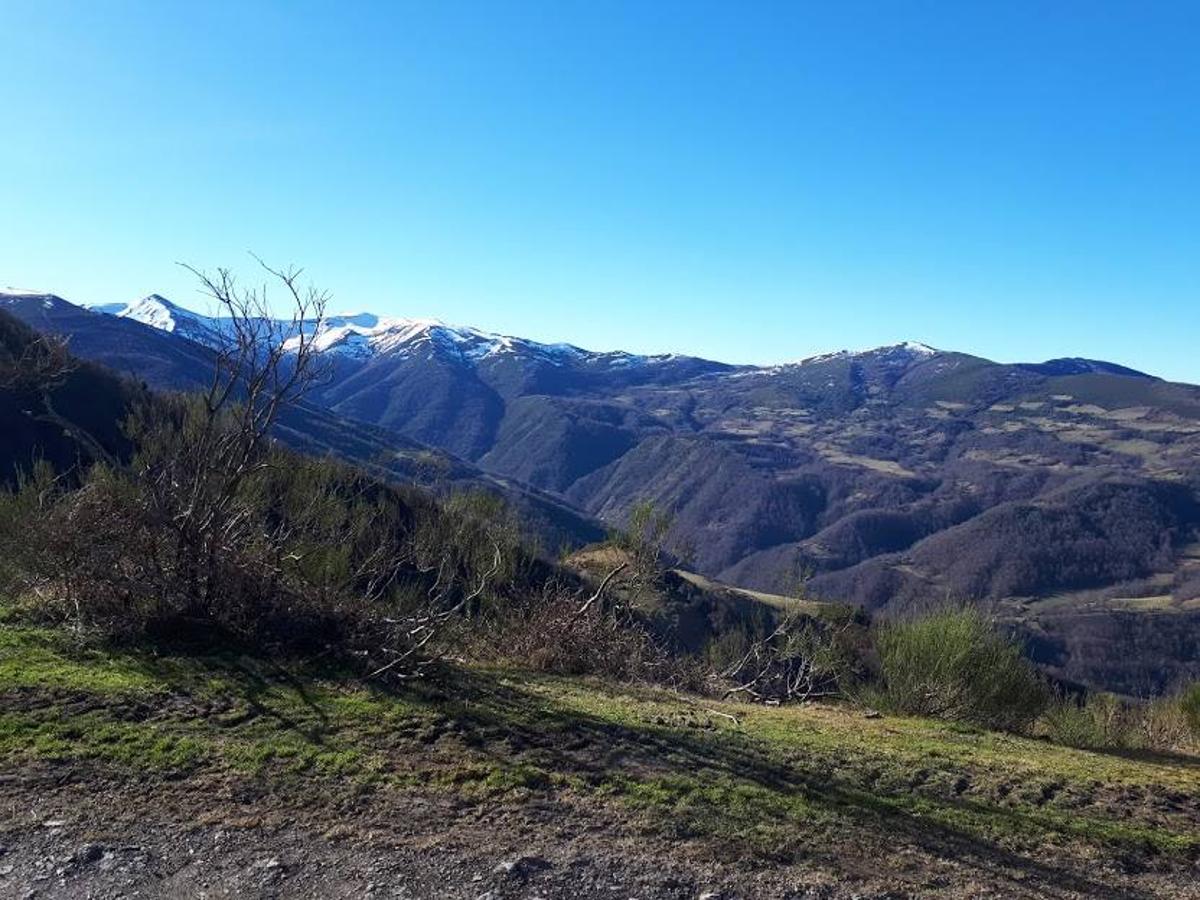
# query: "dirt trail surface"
[[77, 835]]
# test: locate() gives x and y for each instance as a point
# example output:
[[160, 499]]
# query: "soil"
[[76, 832]]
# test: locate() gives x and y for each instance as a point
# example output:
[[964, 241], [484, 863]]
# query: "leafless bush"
[[803, 658], [42, 365], [211, 524], [197, 469], [563, 627], [464, 550]]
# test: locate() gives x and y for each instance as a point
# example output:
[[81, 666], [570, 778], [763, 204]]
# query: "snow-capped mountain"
[[909, 350], [22, 292], [364, 335], [159, 312], [362, 339]]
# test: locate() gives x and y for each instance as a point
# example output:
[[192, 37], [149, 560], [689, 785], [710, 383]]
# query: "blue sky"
[[753, 182]]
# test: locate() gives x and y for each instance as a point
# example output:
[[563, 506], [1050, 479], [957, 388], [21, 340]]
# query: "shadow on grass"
[[251, 687], [508, 725], [502, 717], [1152, 757]]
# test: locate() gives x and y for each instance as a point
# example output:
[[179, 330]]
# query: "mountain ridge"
[[1066, 493], [361, 333], [160, 312]]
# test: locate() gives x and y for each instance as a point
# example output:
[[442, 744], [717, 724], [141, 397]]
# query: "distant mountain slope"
[[445, 385], [892, 477], [166, 360], [125, 347], [62, 418]]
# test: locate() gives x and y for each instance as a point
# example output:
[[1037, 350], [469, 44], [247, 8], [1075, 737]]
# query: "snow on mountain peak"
[[365, 334], [362, 335], [22, 292], [155, 310], [353, 334], [362, 319], [11, 294], [916, 348], [911, 349]]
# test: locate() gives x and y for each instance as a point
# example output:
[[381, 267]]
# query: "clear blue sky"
[[752, 182]]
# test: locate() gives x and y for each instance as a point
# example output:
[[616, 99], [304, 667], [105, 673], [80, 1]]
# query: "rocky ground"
[[70, 835], [71, 840]]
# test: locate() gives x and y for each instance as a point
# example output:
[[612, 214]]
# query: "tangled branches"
[[803, 658]]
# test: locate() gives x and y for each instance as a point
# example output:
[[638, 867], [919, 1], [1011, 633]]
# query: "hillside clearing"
[[778, 601]]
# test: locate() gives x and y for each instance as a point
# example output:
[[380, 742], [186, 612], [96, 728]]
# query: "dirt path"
[[80, 834]]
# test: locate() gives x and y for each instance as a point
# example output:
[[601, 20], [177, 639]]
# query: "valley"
[[1066, 492]]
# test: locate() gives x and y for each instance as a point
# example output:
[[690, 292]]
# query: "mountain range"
[[1064, 493]]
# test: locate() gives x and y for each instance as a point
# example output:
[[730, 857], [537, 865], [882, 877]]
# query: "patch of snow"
[[109, 309], [22, 292], [361, 319], [825, 357], [158, 312], [344, 341], [565, 350], [918, 349], [362, 335], [155, 311], [905, 348]]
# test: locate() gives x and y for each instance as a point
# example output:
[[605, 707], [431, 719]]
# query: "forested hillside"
[[894, 479]]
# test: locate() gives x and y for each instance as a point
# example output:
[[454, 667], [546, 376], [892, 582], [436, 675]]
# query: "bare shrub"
[[464, 555], [1162, 725], [212, 529], [551, 635], [198, 463], [42, 365], [560, 627], [803, 658]]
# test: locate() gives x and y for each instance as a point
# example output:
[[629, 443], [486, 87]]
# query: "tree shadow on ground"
[[1153, 757], [500, 720], [253, 688], [508, 724]]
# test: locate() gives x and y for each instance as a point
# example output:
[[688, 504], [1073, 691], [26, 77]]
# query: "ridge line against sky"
[[751, 183], [436, 320]]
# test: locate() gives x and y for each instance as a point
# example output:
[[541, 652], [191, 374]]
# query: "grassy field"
[[770, 782], [778, 601]]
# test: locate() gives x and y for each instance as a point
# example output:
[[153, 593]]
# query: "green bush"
[[1189, 705], [1105, 722], [1099, 721], [1070, 723], [955, 665], [313, 556]]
